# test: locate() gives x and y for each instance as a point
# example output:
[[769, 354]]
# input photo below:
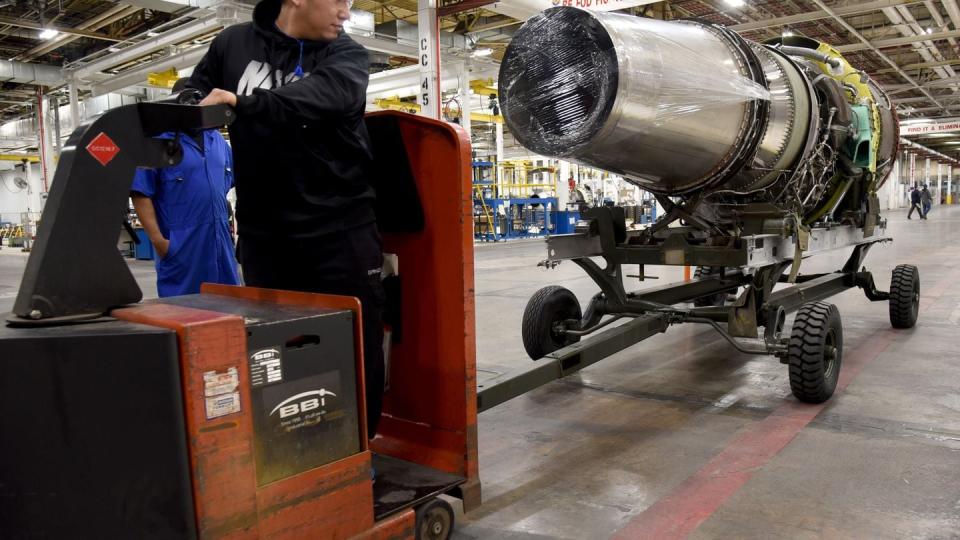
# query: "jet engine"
[[692, 111]]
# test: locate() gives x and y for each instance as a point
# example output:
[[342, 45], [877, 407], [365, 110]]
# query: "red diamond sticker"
[[103, 149]]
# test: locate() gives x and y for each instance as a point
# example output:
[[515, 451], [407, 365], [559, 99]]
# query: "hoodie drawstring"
[[298, 72]]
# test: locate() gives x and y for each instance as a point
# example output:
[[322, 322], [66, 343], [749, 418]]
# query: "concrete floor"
[[681, 436]]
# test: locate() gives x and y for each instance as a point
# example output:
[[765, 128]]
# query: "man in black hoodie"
[[301, 156]]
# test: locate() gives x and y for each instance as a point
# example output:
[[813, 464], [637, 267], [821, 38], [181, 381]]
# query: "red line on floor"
[[927, 298], [699, 496]]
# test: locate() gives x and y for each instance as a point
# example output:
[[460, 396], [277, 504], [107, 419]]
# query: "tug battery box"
[[303, 383]]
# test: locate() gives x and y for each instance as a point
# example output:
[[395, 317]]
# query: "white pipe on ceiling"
[[24, 73], [203, 25]]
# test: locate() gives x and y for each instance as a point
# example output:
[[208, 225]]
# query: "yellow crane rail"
[[20, 158]]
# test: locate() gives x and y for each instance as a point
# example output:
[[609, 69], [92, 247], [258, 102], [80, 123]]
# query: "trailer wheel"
[[815, 352], [904, 296], [713, 300], [434, 520], [546, 309]]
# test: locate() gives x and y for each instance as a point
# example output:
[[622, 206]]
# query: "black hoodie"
[[300, 147]]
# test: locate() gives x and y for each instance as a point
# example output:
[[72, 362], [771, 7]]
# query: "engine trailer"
[[733, 291]]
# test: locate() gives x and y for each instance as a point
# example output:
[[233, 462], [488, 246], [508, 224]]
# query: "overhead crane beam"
[[19, 158], [414, 108]]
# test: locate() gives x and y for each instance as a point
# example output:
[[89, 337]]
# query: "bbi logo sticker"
[[295, 404], [303, 402]]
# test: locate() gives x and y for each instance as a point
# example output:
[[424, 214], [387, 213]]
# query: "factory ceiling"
[[909, 46], [58, 32]]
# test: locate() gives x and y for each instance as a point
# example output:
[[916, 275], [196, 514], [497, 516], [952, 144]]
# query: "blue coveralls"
[[191, 206]]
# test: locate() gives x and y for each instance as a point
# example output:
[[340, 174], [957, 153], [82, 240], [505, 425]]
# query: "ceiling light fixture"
[[787, 33], [49, 33], [929, 30], [151, 33], [734, 3]]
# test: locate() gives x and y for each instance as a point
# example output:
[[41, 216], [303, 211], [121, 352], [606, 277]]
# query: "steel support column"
[[563, 186], [44, 129], [53, 102], [74, 104], [428, 50], [34, 188], [463, 82]]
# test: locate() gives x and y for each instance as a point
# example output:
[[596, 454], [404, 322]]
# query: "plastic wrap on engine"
[[567, 70], [554, 94], [691, 83]]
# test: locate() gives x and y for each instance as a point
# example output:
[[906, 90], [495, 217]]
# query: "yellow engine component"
[[857, 91]]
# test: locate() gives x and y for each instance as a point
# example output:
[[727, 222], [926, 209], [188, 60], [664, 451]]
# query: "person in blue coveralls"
[[183, 209]]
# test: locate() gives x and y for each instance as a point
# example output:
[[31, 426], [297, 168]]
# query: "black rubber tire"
[[546, 307], [714, 300], [905, 296], [434, 520], [815, 352]]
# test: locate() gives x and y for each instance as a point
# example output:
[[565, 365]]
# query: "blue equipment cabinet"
[[517, 218], [565, 221]]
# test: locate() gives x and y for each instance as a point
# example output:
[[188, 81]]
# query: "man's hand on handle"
[[218, 96]]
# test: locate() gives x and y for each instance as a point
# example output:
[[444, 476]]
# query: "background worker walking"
[[915, 203], [926, 199]]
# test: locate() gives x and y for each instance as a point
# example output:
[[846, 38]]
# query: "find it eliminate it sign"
[[932, 127]]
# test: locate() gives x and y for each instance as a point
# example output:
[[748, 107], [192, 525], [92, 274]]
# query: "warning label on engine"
[[266, 367]]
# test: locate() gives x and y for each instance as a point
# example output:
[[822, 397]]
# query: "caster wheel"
[[545, 317], [434, 520]]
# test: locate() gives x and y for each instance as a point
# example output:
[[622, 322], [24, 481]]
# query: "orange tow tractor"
[[237, 412]]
